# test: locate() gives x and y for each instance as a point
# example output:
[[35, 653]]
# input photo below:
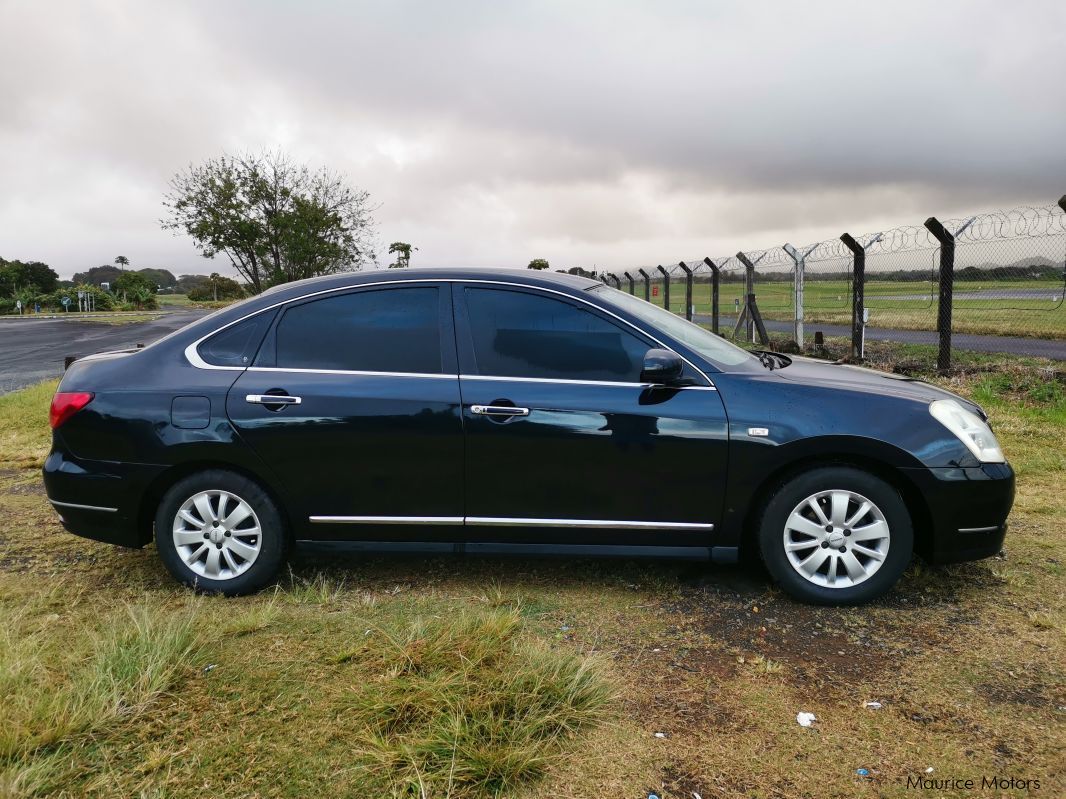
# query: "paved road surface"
[[32, 350], [1016, 345], [1046, 294]]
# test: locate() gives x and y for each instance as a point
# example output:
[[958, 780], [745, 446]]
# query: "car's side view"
[[495, 411]]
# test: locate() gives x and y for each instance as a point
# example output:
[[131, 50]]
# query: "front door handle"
[[498, 410], [272, 399]]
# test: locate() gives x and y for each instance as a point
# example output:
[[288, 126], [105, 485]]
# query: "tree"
[[538, 263], [215, 288], [161, 278], [274, 219], [122, 262], [32, 275], [403, 251], [105, 273], [135, 287]]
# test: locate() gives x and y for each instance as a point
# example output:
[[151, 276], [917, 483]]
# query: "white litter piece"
[[806, 719], [872, 705], [660, 735], [929, 770]]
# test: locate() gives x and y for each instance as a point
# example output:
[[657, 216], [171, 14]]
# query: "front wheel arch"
[[921, 517]]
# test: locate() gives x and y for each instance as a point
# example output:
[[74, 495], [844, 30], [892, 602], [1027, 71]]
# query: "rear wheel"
[[220, 532], [836, 535]]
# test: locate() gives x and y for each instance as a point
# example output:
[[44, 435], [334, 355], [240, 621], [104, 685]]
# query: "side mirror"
[[661, 368]]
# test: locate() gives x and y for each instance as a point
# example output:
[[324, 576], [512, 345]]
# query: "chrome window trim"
[[193, 356], [566, 381], [100, 508], [499, 521], [297, 370], [450, 520]]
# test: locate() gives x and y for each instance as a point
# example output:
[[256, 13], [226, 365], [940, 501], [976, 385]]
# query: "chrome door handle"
[[498, 410], [272, 399]]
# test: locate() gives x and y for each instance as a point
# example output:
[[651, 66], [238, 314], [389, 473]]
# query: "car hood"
[[811, 371]]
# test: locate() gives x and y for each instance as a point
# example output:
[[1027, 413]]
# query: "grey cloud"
[[493, 132]]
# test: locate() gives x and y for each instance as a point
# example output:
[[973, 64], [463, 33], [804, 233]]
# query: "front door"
[[563, 442], [353, 401]]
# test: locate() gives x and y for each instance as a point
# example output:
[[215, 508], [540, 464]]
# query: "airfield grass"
[[439, 677], [829, 302]]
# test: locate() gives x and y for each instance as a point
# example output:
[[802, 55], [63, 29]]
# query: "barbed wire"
[[1017, 223]]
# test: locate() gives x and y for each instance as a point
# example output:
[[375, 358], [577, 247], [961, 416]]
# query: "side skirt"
[[717, 554]]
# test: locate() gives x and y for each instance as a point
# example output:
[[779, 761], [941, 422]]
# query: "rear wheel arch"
[[153, 495]]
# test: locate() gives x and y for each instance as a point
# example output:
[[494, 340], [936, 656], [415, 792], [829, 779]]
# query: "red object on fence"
[[655, 291]]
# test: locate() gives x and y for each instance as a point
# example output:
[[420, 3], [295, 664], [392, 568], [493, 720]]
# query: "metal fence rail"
[[996, 274]]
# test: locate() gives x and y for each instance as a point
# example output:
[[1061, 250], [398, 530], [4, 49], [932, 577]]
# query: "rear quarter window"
[[237, 344]]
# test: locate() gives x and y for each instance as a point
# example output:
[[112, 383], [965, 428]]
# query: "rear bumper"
[[968, 509], [98, 499]]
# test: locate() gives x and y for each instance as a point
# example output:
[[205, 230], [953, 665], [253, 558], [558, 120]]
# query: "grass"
[[893, 305], [439, 677]]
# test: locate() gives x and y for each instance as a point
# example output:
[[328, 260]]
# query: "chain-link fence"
[[993, 282]]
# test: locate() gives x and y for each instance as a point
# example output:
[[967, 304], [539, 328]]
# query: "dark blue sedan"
[[512, 411]]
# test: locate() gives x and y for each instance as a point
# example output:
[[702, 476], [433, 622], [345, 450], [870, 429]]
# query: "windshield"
[[714, 348]]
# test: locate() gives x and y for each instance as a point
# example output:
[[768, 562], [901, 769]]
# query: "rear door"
[[354, 401], [563, 442]]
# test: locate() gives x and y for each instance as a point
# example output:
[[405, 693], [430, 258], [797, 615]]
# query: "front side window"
[[518, 334], [384, 330]]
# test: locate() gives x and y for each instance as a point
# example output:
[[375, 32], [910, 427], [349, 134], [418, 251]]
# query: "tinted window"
[[237, 344], [529, 335], [389, 330]]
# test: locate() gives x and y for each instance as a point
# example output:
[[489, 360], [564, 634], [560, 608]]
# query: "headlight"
[[970, 429]]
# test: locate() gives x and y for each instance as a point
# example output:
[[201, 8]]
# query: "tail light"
[[65, 404]]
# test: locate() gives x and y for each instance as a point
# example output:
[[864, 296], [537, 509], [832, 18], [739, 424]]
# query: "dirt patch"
[[1031, 695]]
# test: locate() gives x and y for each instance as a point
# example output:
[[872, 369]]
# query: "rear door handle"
[[272, 399], [498, 410]]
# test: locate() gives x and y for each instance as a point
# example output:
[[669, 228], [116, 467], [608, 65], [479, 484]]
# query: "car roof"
[[533, 277]]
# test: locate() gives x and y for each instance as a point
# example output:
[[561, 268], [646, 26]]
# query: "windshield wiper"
[[772, 360], [766, 359]]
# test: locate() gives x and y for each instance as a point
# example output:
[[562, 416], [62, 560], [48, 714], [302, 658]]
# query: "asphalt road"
[[33, 349], [1054, 349]]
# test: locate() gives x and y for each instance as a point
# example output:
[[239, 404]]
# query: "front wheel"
[[836, 535], [220, 532]]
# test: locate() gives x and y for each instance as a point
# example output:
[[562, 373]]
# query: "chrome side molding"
[[498, 521]]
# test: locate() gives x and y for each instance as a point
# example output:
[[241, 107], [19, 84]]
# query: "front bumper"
[[99, 499], [967, 510]]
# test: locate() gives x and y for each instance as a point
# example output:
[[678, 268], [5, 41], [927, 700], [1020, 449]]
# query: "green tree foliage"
[[402, 250], [274, 219], [216, 287], [97, 275], [539, 263], [163, 279], [122, 262], [33, 276]]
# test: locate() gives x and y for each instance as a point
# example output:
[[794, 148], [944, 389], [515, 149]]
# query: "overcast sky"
[[490, 133]]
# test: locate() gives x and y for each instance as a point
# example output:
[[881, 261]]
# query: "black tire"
[[788, 496], [272, 541]]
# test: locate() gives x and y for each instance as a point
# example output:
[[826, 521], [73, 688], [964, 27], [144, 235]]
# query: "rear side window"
[[517, 334], [236, 345], [385, 330]]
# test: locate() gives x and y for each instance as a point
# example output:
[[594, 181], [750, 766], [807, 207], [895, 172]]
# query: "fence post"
[[647, 285], [1062, 202], [947, 287], [800, 259], [629, 280], [688, 289], [666, 286], [617, 282], [714, 293], [750, 309], [858, 293]]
